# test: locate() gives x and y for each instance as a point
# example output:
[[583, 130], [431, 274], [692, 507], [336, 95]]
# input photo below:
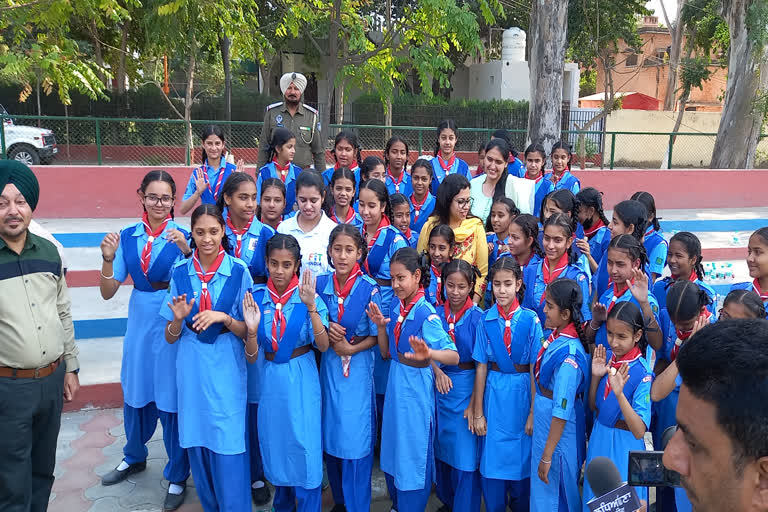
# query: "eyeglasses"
[[464, 202], [153, 200]]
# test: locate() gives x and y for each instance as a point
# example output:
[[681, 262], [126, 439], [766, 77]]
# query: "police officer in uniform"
[[301, 119]]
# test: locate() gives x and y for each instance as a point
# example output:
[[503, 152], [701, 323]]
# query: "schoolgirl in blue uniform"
[[440, 247], [248, 241], [514, 167], [620, 393], [655, 244], [294, 318], [346, 371], [560, 373], [422, 202], [207, 317], [346, 151], [563, 201], [592, 234], [271, 202], [757, 262], [412, 336], [684, 260], [401, 218], [625, 257], [445, 161], [558, 262], [507, 340], [206, 181], [456, 454], [382, 241], [561, 177], [147, 251], [503, 210], [629, 217], [535, 158], [524, 240], [398, 180], [280, 154], [343, 189]]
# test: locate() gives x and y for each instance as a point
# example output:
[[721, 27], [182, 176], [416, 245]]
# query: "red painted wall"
[[93, 191]]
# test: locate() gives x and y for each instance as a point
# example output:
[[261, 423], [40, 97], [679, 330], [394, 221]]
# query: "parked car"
[[28, 144]]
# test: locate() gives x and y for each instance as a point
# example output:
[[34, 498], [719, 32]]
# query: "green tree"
[[37, 46]]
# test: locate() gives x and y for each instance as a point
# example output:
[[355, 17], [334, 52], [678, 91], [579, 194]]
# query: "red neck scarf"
[[555, 179], [338, 166], [648, 232], [618, 293], [280, 302], [629, 357], [404, 311], [447, 165], [219, 177], [550, 275], [682, 336], [384, 223], [418, 205], [205, 277], [282, 169], [693, 277], [538, 179], [569, 332], [350, 216], [396, 181], [439, 278], [454, 319], [342, 292], [756, 287], [594, 229], [407, 234], [146, 252], [239, 234], [508, 323]]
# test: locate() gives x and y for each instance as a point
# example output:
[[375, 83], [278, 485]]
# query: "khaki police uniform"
[[305, 125]]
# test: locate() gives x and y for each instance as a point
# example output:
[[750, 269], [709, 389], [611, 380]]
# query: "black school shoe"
[[115, 476], [260, 496], [339, 508], [174, 501]]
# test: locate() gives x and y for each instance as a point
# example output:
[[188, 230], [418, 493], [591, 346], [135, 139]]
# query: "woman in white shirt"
[[310, 226], [484, 188]]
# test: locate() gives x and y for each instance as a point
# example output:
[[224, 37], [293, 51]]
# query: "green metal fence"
[[123, 141]]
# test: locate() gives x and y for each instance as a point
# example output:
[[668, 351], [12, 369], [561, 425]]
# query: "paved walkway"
[[90, 445]]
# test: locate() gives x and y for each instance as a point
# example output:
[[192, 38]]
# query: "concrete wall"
[[648, 151]]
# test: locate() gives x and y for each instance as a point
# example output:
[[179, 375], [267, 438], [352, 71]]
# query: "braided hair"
[[213, 211], [693, 248], [529, 225], [632, 246], [629, 313], [511, 265], [469, 271], [749, 299], [591, 197], [351, 138], [564, 222], [413, 261], [685, 301], [352, 232], [566, 294], [650, 205]]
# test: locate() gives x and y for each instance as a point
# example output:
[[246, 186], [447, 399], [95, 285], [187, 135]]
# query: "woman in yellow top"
[[452, 206]]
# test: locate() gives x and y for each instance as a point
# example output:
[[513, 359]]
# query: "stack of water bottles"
[[719, 276]]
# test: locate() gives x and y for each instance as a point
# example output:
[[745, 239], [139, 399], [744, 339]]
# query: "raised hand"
[[200, 184], [307, 289], [109, 245], [599, 366], [177, 237], [421, 351], [639, 288], [180, 307], [618, 379], [376, 316], [699, 324], [583, 246], [599, 313], [251, 313], [240, 166]]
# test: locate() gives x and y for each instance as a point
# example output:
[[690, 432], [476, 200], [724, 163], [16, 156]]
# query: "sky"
[[671, 6]]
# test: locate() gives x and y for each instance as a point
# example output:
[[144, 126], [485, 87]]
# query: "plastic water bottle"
[[735, 240]]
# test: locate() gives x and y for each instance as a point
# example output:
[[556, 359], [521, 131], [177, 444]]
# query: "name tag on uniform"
[[252, 244], [304, 128]]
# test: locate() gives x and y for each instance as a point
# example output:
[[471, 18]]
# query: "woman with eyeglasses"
[[147, 251], [452, 207]]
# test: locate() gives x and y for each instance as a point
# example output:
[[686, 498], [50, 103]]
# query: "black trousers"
[[30, 417]]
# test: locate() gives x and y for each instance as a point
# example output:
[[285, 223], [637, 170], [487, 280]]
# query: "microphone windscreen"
[[603, 475], [667, 435]]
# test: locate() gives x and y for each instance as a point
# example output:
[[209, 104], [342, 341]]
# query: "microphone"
[[611, 494], [667, 435]]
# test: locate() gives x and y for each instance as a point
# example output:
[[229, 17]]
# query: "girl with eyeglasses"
[[452, 207]]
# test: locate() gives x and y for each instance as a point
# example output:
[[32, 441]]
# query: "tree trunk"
[[676, 48], [332, 70], [121, 58], [549, 24], [97, 53], [224, 45], [188, 93], [37, 94], [740, 123], [340, 105]]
